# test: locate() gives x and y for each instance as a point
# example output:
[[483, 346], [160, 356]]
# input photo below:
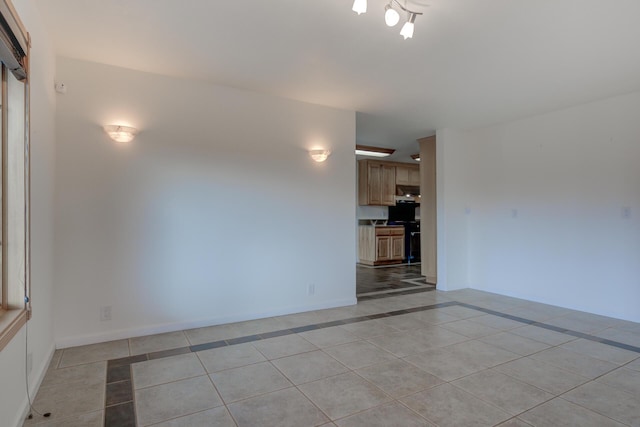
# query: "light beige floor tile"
[[460, 312], [560, 413], [284, 408], [247, 381], [496, 322], [94, 353], [327, 337], [483, 353], [503, 391], [576, 325], [447, 405], [255, 327], [91, 419], [392, 414], [359, 354], [591, 318], [401, 344], [542, 375], [514, 422], [90, 373], [515, 343], [68, 399], [306, 367], [297, 320], [55, 360], [467, 295], [433, 317], [233, 356], [399, 378], [176, 399], [343, 395], [623, 379], [575, 362], [470, 329], [218, 417], [608, 401], [209, 334], [437, 336], [369, 329], [288, 345], [635, 365], [601, 351], [152, 343], [625, 325], [168, 369], [618, 335], [543, 335], [551, 311], [403, 322], [446, 364]]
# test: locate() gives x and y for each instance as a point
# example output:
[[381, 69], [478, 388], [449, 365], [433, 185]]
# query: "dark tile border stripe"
[[119, 407], [554, 328]]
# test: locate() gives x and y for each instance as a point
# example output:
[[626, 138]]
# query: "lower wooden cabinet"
[[379, 245]]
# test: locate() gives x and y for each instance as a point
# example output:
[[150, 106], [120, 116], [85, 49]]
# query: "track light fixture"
[[391, 15]]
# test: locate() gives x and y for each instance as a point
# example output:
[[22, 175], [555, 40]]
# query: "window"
[[14, 176]]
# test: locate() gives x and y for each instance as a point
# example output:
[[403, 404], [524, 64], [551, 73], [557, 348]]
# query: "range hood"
[[407, 193], [407, 190]]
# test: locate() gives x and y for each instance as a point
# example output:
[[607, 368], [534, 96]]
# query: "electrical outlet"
[[312, 289], [105, 313], [29, 363], [514, 213]]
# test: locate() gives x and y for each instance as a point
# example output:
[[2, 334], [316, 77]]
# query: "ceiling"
[[471, 63]]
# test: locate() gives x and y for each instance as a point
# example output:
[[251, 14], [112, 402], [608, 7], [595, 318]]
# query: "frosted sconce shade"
[[319, 155], [121, 134]]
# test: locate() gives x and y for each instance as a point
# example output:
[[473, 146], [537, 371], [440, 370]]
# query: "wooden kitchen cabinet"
[[376, 183], [408, 175], [379, 245]]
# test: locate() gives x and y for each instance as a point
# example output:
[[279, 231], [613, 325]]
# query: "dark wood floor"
[[389, 279]]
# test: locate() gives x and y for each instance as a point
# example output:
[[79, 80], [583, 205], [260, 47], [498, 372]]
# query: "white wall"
[[40, 345], [452, 220], [214, 213], [546, 196]]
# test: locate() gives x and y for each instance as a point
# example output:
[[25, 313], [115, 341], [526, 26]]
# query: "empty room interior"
[[320, 213]]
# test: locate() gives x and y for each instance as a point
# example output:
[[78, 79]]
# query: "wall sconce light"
[[121, 134], [366, 150], [416, 157], [319, 155]]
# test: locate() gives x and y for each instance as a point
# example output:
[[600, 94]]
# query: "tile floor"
[[463, 358], [378, 282]]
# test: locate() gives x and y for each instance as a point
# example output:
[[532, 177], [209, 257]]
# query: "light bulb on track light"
[[359, 6], [391, 16], [407, 28]]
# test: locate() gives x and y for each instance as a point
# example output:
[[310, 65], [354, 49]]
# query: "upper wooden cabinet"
[[408, 175], [376, 183]]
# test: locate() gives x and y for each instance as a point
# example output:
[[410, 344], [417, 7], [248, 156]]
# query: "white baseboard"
[[86, 339], [34, 386]]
